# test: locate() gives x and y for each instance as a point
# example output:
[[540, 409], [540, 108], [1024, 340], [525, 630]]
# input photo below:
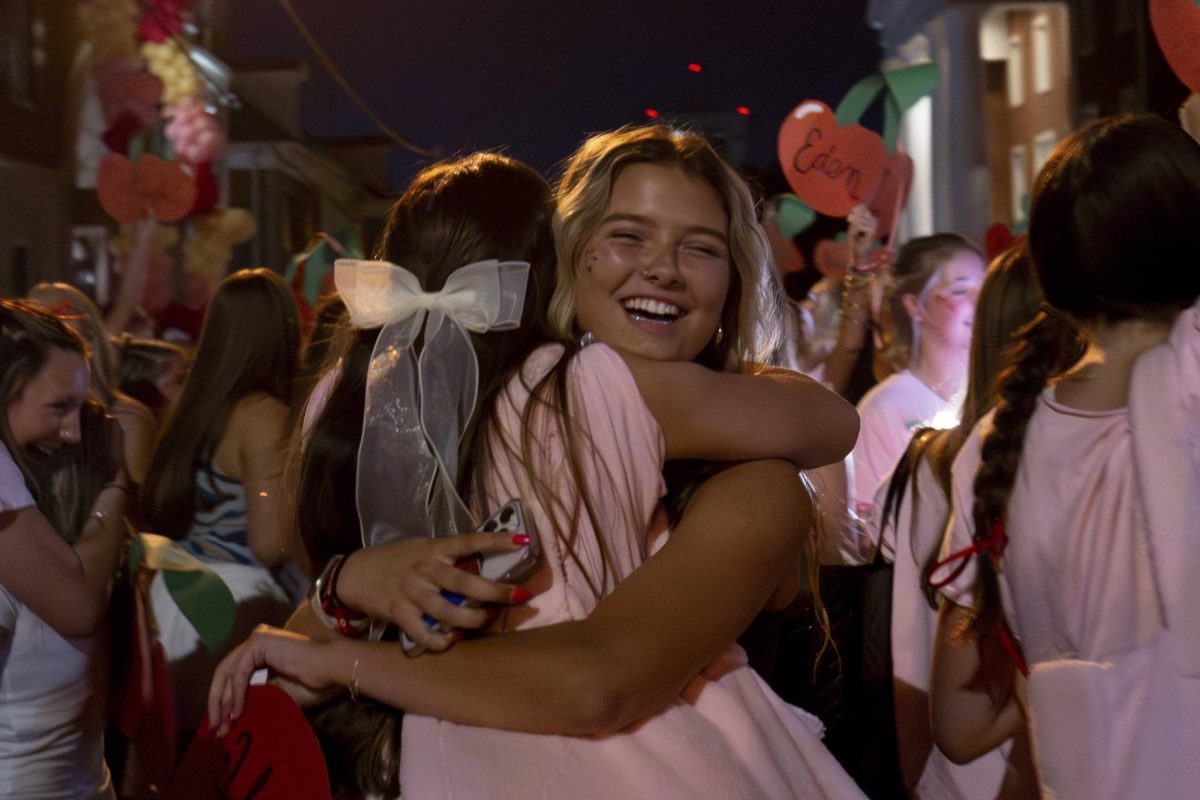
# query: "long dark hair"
[[1114, 231], [249, 343]]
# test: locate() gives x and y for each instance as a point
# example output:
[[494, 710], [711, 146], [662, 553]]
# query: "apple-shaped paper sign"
[[1176, 25], [269, 753], [832, 167]]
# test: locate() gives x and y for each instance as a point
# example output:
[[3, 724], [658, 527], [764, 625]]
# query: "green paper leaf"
[[851, 109], [206, 602], [793, 215], [891, 122], [909, 84]]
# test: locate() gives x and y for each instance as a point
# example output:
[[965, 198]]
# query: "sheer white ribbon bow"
[[417, 409]]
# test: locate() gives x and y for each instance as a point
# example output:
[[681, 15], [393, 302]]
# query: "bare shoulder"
[[258, 415]]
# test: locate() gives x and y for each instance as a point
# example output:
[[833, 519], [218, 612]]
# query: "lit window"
[[1018, 167], [1016, 71], [1043, 143], [1043, 74]]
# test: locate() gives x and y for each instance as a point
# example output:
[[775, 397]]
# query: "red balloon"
[[1176, 25], [832, 167]]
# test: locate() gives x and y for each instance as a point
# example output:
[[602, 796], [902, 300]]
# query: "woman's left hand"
[[294, 656]]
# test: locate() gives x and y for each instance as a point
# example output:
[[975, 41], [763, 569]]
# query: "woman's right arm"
[[724, 416], [66, 586], [637, 650]]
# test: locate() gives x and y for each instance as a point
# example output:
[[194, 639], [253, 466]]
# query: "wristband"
[[329, 609]]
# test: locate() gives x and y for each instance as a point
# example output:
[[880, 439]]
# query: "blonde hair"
[[752, 321]]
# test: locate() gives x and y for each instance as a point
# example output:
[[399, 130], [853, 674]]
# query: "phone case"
[[511, 567]]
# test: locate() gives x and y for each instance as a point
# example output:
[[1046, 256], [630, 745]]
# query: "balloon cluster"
[[161, 136]]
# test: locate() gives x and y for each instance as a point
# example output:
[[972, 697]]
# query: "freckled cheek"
[[610, 263]]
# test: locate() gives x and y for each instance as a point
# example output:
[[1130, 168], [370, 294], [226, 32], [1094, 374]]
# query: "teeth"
[[652, 307]]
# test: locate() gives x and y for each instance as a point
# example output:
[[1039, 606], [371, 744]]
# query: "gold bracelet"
[[353, 687]]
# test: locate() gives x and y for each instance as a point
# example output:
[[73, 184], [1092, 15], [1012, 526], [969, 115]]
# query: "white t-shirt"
[[51, 736], [890, 412]]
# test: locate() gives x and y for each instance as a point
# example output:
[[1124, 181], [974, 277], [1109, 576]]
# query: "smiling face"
[[45, 412], [946, 308], [654, 275]]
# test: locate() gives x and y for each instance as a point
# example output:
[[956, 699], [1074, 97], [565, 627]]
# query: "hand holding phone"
[[514, 566]]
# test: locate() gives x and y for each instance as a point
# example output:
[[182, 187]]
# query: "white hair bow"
[[417, 409]]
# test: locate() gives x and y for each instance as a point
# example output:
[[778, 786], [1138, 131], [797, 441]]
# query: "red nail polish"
[[520, 538], [521, 595]]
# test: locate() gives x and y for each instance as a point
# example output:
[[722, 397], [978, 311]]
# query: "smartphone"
[[515, 566]]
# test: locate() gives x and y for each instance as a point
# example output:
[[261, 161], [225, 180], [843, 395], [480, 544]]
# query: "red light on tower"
[[652, 113], [743, 110], [694, 68]]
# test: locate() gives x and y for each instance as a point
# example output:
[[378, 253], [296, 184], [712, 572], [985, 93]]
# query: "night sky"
[[534, 76]]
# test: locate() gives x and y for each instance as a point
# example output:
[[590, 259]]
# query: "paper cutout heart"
[[131, 191], [270, 753], [832, 167], [1176, 25], [892, 194]]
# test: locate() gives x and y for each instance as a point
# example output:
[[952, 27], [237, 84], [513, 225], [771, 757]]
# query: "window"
[[1016, 71], [1018, 167], [1043, 143], [16, 49], [1043, 73]]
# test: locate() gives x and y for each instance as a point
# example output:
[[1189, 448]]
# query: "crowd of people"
[[617, 354]]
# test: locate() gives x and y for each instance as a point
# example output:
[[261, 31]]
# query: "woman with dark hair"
[[215, 476], [1075, 536], [929, 304], [914, 507], [53, 595], [662, 264]]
